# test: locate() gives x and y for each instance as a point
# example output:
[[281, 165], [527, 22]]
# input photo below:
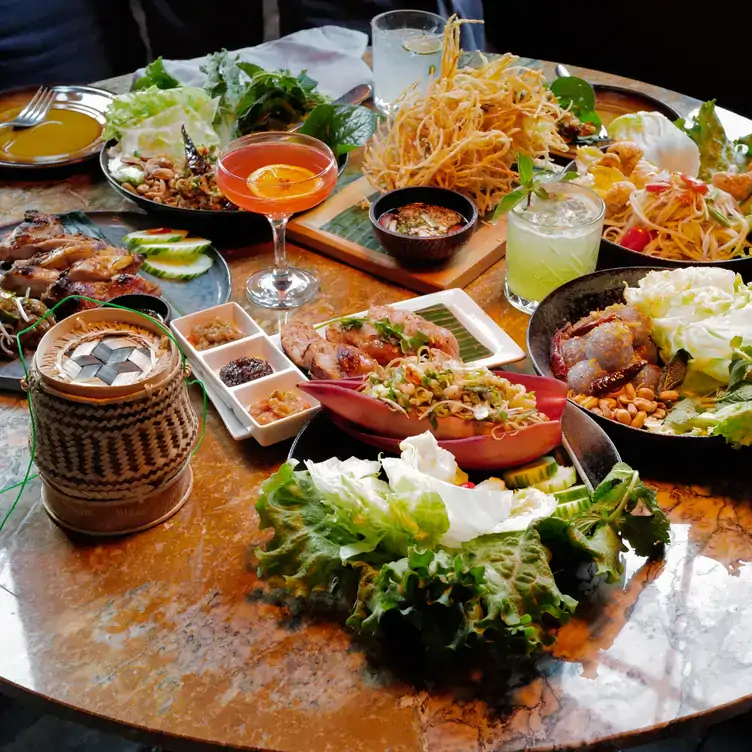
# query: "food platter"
[[572, 302], [211, 289], [86, 102]]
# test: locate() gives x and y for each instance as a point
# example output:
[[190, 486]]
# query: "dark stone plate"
[[569, 303], [587, 445]]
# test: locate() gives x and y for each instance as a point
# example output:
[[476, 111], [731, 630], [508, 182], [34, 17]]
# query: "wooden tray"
[[323, 228]]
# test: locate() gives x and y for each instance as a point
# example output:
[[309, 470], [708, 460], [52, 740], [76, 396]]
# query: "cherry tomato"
[[657, 187], [636, 238], [467, 485], [694, 184]]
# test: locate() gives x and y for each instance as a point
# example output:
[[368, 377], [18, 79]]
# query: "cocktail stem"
[[281, 270]]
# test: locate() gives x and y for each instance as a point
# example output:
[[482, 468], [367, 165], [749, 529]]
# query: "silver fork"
[[35, 111]]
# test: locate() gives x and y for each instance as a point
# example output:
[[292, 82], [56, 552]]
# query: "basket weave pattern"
[[109, 449]]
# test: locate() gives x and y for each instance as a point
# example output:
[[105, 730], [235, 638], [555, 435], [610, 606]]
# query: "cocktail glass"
[[277, 174], [551, 241], [407, 48]]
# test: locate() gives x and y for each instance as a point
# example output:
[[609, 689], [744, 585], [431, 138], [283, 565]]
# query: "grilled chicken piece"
[[61, 258], [384, 347], [104, 265], [38, 232], [323, 359], [122, 284], [22, 277]]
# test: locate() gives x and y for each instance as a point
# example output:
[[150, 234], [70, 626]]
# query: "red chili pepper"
[[583, 329], [558, 366], [657, 187], [694, 184], [636, 238], [159, 231], [617, 378], [467, 485]]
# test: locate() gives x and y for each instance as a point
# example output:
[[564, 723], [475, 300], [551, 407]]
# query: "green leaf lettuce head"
[[149, 121], [717, 152], [439, 563], [155, 74], [342, 127]]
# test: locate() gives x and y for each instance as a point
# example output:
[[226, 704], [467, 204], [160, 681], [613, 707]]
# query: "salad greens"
[[456, 564], [578, 96], [342, 127], [717, 152], [156, 75]]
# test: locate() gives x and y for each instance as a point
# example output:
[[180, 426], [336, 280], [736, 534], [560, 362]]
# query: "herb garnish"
[[396, 333], [578, 96], [529, 184]]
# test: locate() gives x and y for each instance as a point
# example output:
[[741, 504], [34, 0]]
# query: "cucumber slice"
[[564, 477], [575, 493], [571, 508], [532, 473], [152, 237], [168, 268], [184, 250]]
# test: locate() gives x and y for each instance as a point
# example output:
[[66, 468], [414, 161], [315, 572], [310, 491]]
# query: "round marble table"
[[158, 636]]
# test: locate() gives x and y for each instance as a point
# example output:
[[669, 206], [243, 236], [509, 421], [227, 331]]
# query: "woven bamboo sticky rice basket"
[[114, 458]]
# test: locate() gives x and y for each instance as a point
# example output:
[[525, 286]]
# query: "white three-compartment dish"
[[232, 403]]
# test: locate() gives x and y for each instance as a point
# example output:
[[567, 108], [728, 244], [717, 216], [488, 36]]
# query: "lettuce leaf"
[[337, 521], [717, 152], [155, 74]]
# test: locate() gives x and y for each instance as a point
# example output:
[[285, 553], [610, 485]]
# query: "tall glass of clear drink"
[[407, 49], [551, 241]]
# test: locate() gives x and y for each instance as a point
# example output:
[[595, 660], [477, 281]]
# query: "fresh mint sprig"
[[529, 184]]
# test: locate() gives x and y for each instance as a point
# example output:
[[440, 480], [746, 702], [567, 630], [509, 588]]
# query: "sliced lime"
[[423, 45]]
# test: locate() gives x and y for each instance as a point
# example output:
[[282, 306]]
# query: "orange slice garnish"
[[279, 181]]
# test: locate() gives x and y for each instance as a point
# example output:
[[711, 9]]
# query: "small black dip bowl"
[[415, 251], [151, 305]]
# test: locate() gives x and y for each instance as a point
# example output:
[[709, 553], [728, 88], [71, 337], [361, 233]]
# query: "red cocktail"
[[278, 174]]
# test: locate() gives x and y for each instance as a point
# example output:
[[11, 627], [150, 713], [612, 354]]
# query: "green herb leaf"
[[342, 127], [577, 95], [541, 192], [509, 202], [396, 333], [351, 322], [526, 169], [156, 75], [567, 176]]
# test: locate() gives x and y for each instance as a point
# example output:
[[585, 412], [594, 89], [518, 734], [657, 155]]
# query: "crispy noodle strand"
[[465, 133]]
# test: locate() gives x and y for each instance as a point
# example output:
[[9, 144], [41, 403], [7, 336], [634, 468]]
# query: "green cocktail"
[[551, 241]]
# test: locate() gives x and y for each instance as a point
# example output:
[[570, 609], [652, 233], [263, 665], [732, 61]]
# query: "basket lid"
[[105, 352]]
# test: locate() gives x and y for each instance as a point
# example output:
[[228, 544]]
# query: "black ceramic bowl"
[[414, 251], [575, 300], [155, 307], [197, 220]]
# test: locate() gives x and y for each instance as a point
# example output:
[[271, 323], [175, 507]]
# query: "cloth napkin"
[[332, 55]]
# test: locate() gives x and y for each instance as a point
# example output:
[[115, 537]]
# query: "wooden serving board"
[[340, 228]]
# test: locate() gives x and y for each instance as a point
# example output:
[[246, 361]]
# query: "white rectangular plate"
[[503, 348]]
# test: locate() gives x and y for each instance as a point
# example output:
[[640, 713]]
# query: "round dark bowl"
[[423, 251], [149, 304], [573, 301], [196, 220]]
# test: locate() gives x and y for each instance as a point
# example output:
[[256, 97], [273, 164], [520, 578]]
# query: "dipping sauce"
[[213, 333], [243, 370], [276, 406], [422, 220], [61, 133]]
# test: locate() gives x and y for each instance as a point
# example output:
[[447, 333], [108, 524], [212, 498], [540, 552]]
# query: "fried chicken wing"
[[26, 279], [37, 233], [105, 265], [62, 257], [122, 284]]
